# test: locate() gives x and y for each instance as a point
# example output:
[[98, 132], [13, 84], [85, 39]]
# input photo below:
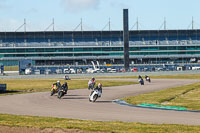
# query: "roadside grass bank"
[[15, 86], [85, 125], [184, 96], [180, 76]]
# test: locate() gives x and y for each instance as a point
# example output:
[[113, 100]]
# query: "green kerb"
[[161, 106]]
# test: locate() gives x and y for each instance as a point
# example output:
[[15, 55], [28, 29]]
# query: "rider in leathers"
[[57, 84], [64, 87], [99, 88]]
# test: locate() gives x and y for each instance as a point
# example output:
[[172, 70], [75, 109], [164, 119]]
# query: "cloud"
[[80, 5]]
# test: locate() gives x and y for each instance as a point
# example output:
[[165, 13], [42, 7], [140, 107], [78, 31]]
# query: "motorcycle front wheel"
[[52, 92], [60, 94], [90, 100]]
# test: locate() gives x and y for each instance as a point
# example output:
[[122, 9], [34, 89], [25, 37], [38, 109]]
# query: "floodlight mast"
[[23, 25], [51, 25], [165, 24], [192, 23], [136, 24], [79, 25], [107, 24]]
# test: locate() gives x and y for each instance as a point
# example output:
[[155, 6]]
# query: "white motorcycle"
[[94, 95], [148, 79]]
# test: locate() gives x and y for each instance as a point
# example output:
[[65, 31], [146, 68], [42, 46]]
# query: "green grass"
[[11, 68], [184, 96], [35, 85], [85, 125]]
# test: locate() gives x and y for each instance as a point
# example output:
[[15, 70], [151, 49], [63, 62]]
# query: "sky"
[[95, 14]]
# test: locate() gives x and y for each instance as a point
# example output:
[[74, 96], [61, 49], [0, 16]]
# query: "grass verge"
[[184, 96], [11, 68], [33, 85], [85, 125]]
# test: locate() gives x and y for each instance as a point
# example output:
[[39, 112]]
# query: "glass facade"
[[107, 46], [92, 51]]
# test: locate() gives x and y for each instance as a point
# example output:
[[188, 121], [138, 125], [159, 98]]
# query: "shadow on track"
[[74, 95], [74, 98], [10, 92], [103, 101]]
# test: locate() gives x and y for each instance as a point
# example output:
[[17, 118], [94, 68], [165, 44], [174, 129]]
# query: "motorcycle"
[[66, 77], [62, 92], [54, 90], [141, 81], [148, 79], [91, 85], [94, 95]]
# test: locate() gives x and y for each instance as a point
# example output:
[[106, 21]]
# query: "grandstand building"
[[82, 47]]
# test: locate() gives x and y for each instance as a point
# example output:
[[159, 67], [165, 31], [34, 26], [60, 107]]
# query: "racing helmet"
[[99, 85], [93, 79]]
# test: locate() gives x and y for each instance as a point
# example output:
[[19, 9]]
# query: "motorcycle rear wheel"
[[95, 98]]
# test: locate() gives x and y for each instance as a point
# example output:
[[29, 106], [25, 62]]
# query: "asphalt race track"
[[76, 105]]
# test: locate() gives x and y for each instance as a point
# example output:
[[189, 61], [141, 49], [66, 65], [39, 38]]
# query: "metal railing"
[[100, 43]]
